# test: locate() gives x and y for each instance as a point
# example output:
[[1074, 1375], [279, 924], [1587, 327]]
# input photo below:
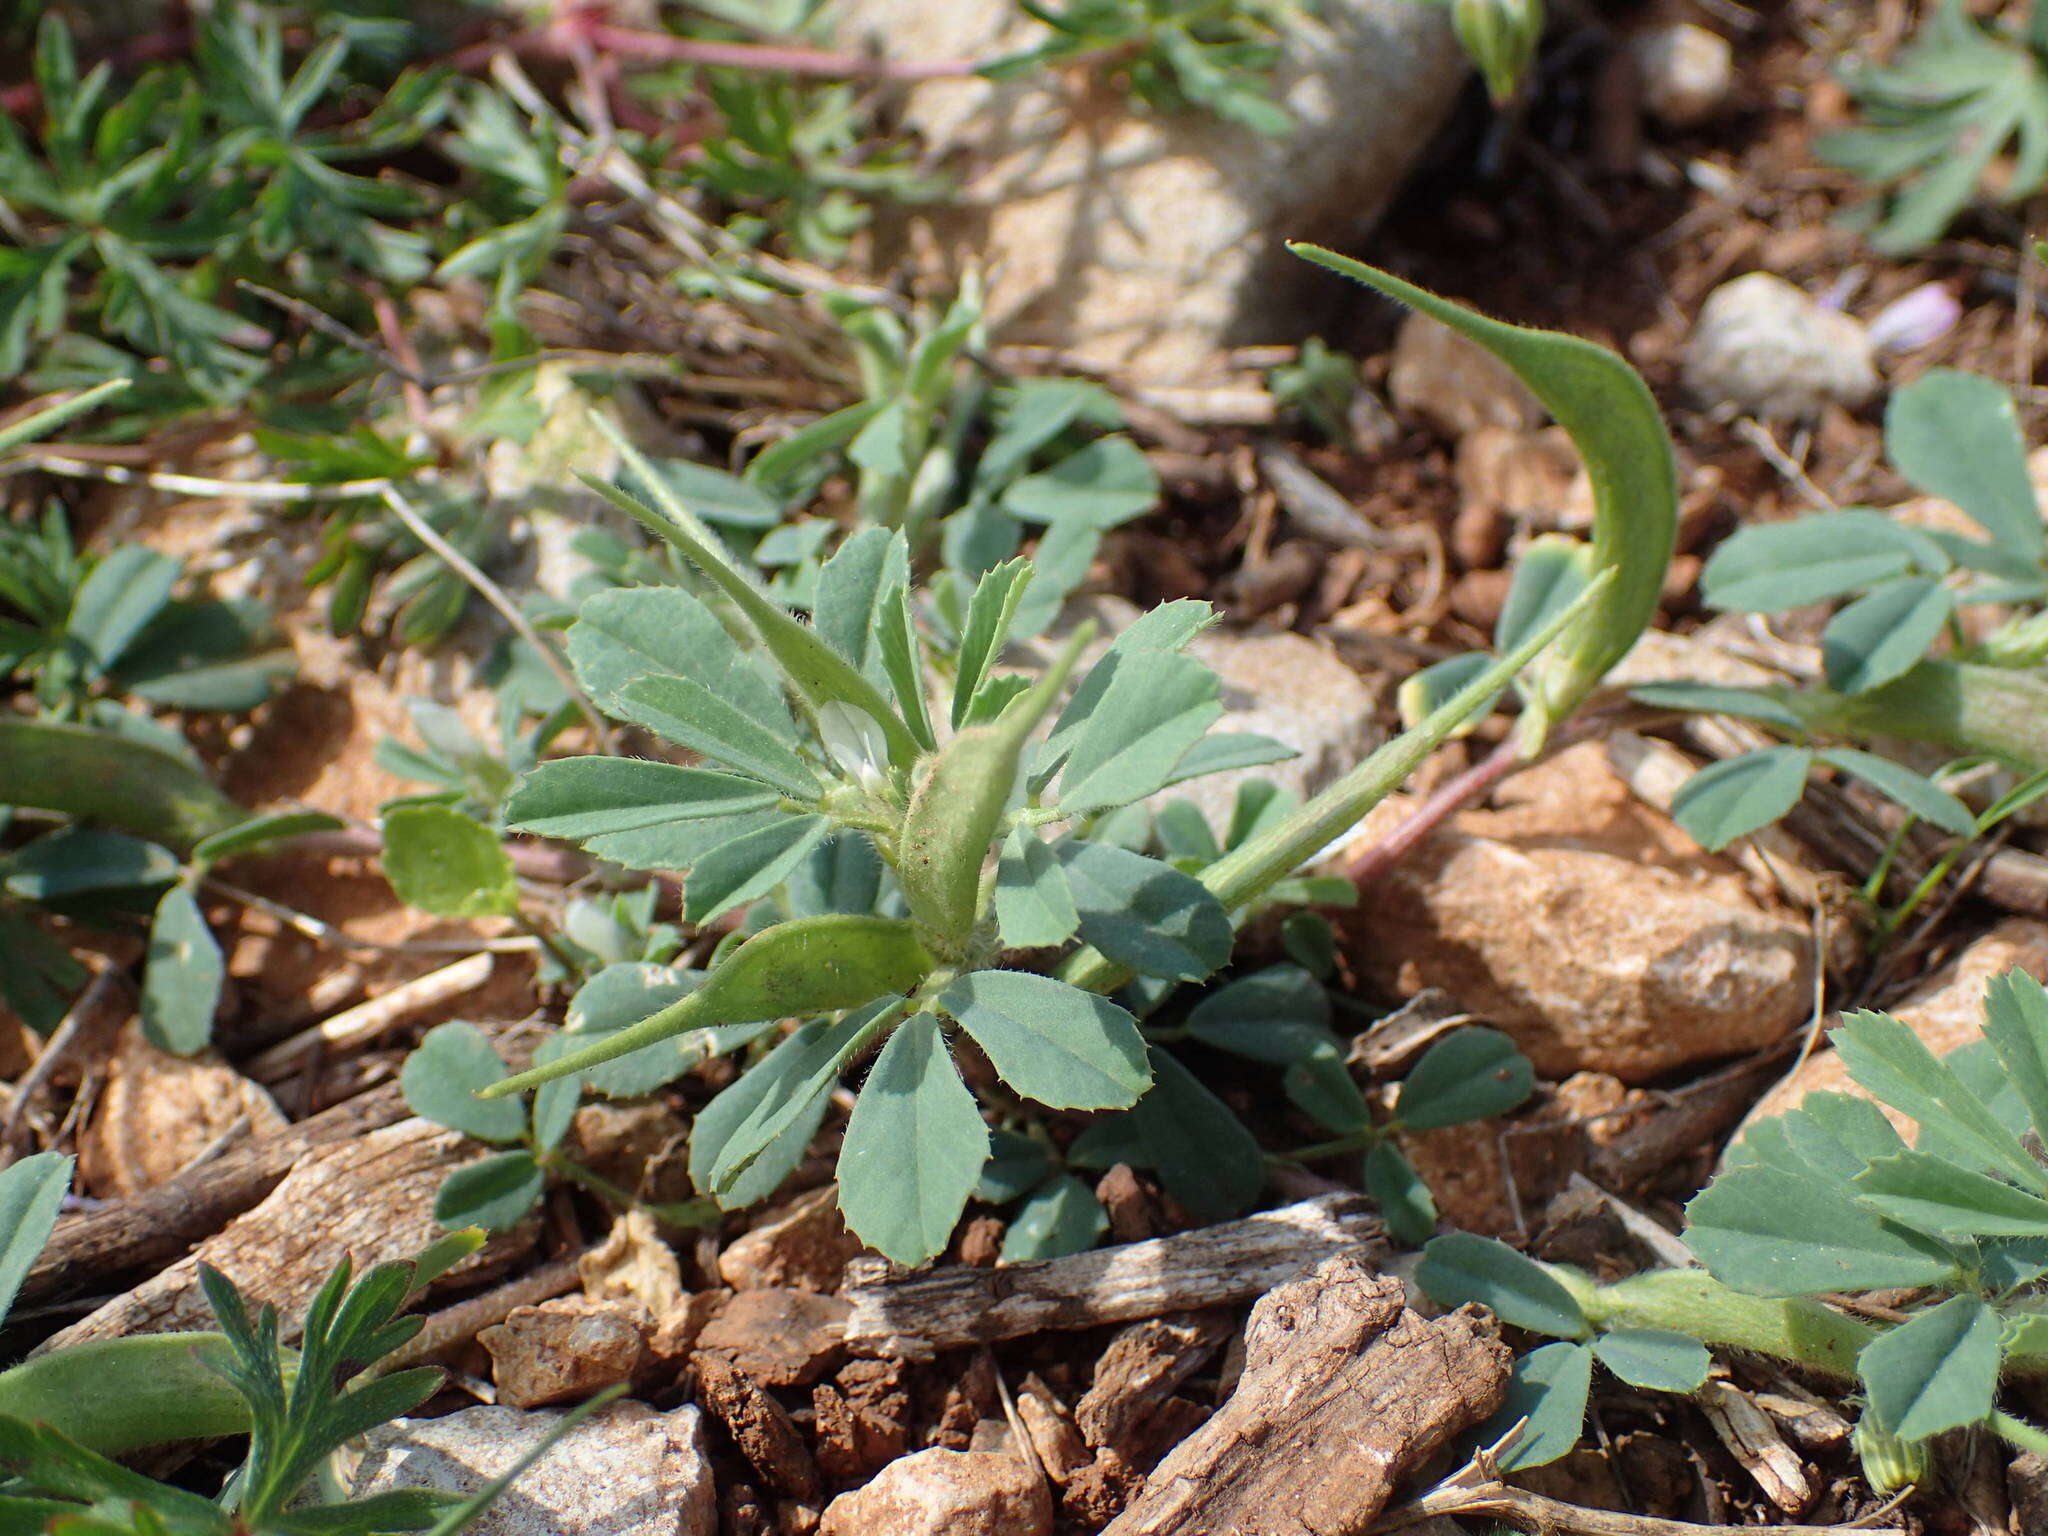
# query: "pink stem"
[[651, 48], [1445, 802]]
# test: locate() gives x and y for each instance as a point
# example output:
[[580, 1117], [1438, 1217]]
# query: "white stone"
[[1687, 72], [945, 1493], [625, 1471], [1145, 242], [1762, 347]]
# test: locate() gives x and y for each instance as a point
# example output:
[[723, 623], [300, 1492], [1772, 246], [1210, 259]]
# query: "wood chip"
[[1140, 1370], [1345, 1393], [918, 1315], [159, 1113], [365, 1022], [761, 1427], [1752, 1438], [372, 1198]]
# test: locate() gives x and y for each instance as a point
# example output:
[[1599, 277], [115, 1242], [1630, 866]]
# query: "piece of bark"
[[371, 1198], [918, 1315], [1057, 1444], [760, 1426], [88, 1249], [1142, 1367], [452, 1327], [1752, 1438], [1345, 1392]]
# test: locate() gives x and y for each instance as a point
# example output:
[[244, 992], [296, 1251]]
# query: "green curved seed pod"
[[811, 965], [1613, 421], [117, 1395], [111, 781], [957, 808]]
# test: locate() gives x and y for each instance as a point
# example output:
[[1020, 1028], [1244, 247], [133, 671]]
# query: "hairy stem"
[[1963, 707], [1693, 1302]]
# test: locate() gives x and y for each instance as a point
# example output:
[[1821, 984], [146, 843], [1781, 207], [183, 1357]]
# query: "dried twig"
[[366, 1021]]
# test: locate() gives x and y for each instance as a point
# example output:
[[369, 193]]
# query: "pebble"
[[1761, 347], [1588, 927], [945, 1493], [625, 1471], [1946, 1011], [1687, 73]]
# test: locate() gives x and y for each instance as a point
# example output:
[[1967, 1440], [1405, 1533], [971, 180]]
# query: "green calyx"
[[956, 810]]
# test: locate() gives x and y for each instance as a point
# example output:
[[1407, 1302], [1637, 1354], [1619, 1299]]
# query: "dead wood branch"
[[371, 1197], [919, 1315], [160, 1224]]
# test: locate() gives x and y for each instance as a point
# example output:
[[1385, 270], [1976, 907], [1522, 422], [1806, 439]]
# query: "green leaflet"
[[112, 781], [819, 672], [1612, 418], [810, 965], [958, 805], [914, 1148]]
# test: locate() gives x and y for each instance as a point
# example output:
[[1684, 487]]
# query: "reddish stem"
[[559, 42], [1445, 802]]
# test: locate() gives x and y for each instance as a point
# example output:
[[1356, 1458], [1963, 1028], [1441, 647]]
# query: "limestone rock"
[[625, 1471], [1587, 926], [1144, 242], [945, 1493], [804, 1245], [1762, 347], [1456, 385], [778, 1337], [565, 1350], [1946, 1011]]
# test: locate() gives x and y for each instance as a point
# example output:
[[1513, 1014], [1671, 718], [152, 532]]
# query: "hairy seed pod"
[[811, 965]]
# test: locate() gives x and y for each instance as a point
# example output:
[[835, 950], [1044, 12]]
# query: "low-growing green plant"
[[1939, 117], [1826, 1201], [1318, 386], [1216, 55], [145, 205], [1894, 660], [926, 863], [66, 1414], [145, 823], [1501, 38]]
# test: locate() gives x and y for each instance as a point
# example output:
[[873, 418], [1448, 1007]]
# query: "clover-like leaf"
[[493, 1193], [1461, 1266], [181, 985], [1063, 1047], [447, 864], [1936, 1371], [1060, 1217], [914, 1149], [443, 1075]]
